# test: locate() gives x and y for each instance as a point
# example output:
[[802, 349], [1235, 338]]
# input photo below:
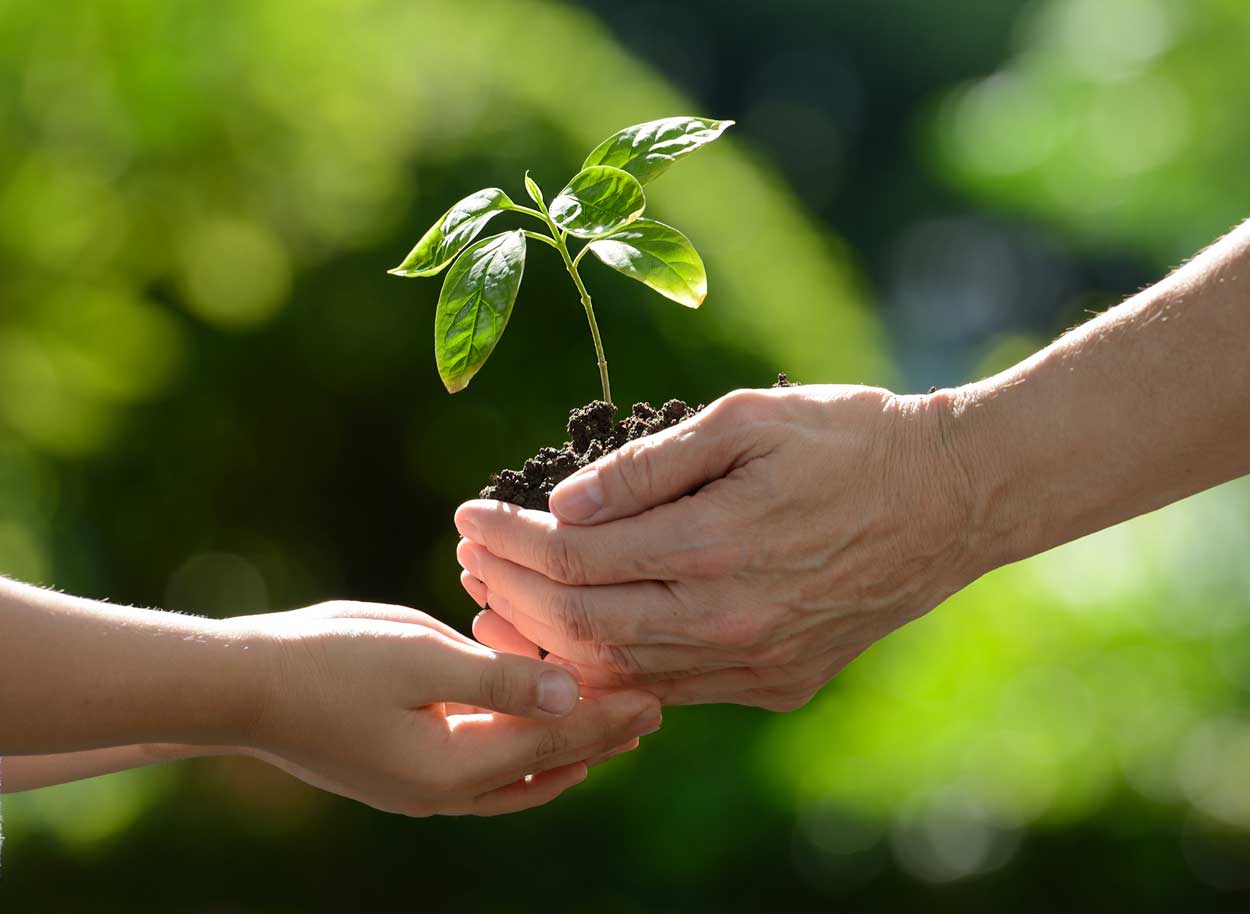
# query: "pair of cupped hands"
[[745, 555]]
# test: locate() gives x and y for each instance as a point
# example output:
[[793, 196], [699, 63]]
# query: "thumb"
[[508, 683], [654, 470]]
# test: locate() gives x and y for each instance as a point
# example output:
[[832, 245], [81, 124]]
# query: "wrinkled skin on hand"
[[746, 555]]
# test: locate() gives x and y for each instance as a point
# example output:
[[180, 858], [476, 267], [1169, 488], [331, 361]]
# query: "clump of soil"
[[593, 431]]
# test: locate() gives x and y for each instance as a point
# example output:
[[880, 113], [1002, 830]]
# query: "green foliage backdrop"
[[212, 398]]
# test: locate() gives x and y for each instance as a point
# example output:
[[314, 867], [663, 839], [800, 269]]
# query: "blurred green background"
[[213, 399]]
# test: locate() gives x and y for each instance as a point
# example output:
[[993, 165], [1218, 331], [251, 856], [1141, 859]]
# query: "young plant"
[[601, 206]]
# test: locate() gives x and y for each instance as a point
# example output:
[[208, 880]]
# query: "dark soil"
[[593, 431]]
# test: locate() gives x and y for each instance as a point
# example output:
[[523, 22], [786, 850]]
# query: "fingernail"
[[647, 722], [466, 555], [566, 665], [557, 693], [466, 525], [474, 588], [578, 498]]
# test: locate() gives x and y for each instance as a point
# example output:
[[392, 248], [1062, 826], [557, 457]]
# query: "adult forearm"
[[1144, 405], [76, 674]]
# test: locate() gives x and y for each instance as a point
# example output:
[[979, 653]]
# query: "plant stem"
[[541, 217], [563, 248], [594, 327], [537, 236], [559, 241]]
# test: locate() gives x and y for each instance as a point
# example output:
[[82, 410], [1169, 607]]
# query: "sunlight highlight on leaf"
[[475, 304], [599, 199], [658, 256], [648, 150], [450, 235]]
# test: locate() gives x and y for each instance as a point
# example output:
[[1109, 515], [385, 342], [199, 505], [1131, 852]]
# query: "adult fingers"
[[641, 612], [474, 588], [760, 687], [715, 687], [499, 634], [659, 468], [496, 750], [617, 627], [599, 678], [781, 701], [477, 676], [692, 537]]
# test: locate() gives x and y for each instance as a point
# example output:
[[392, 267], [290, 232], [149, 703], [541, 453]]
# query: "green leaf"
[[598, 200], [475, 305], [659, 256], [449, 235], [647, 150], [532, 188]]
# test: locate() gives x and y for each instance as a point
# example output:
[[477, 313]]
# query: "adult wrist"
[[976, 447]]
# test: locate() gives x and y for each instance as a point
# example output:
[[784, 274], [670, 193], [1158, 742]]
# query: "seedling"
[[601, 206]]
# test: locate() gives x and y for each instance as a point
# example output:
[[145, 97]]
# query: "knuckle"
[[498, 687], [708, 556], [635, 470], [742, 631], [562, 561], [714, 545], [743, 405], [329, 609], [423, 639], [553, 742], [617, 659], [567, 608], [608, 736]]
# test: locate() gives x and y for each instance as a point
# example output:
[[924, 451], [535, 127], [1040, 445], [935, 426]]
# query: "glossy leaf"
[[532, 188], [659, 256], [450, 234], [475, 305], [598, 200], [647, 150]]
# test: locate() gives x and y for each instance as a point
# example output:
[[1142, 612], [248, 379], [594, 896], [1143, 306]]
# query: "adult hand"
[[746, 555], [390, 707]]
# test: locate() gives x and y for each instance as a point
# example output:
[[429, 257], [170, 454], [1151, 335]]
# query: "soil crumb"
[[593, 431]]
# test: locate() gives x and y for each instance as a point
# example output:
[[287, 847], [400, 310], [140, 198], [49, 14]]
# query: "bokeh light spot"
[[217, 584], [236, 273]]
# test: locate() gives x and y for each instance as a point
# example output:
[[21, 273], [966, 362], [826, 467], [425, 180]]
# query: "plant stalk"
[[594, 327], [540, 237], [563, 248]]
